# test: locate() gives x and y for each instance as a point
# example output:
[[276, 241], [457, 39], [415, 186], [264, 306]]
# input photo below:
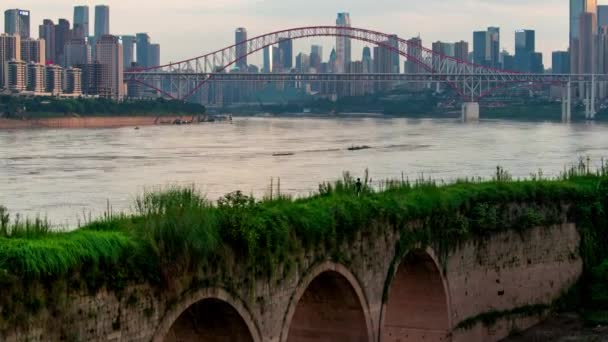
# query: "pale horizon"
[[205, 26]]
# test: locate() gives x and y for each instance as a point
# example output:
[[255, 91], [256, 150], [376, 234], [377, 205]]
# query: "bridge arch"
[[418, 303], [329, 304], [218, 61], [208, 312]]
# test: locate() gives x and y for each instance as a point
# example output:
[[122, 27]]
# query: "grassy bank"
[[178, 230], [48, 107]]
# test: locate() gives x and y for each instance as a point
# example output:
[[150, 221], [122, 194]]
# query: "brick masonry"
[[426, 300]]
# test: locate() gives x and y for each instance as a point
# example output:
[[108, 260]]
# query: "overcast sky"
[[186, 28]]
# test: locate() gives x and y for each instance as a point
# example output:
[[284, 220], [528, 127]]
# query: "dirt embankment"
[[90, 122]]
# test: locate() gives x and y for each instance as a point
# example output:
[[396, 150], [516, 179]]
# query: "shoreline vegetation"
[[48, 112], [178, 229]]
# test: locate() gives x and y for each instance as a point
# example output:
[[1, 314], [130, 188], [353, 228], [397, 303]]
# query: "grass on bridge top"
[[178, 229]]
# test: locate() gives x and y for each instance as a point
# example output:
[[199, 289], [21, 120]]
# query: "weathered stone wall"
[[511, 270], [498, 273]]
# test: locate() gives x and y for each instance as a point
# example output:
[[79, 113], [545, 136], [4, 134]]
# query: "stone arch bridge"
[[374, 291]]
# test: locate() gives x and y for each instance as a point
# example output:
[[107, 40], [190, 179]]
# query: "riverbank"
[[90, 122]]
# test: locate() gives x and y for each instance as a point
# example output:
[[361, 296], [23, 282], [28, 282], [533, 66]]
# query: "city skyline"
[[549, 20]]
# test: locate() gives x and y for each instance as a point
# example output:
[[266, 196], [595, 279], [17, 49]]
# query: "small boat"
[[282, 154], [136, 128], [358, 148]]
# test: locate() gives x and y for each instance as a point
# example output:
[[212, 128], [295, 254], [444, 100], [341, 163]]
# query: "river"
[[69, 174]]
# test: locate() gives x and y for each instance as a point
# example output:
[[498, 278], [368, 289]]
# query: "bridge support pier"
[[470, 111], [567, 102]]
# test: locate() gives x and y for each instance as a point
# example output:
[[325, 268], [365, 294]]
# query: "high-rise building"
[[143, 49], [63, 35], [602, 16], [154, 55], [267, 66], [15, 80], [577, 9], [17, 21], [73, 81], [494, 41], [46, 31], [109, 52], [560, 62], [81, 22], [481, 48], [343, 44], [35, 77], [102, 21], [302, 63], [54, 79], [77, 51], [316, 57], [240, 39], [461, 50], [33, 50], [525, 45], [393, 41], [333, 58], [414, 50], [96, 79], [286, 53], [276, 60], [128, 51], [367, 60], [10, 49], [587, 44]]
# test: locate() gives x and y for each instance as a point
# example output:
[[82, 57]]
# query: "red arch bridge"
[[181, 80]]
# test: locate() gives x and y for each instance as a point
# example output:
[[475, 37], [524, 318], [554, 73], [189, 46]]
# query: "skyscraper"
[[560, 62], [276, 60], [286, 53], [414, 50], [102, 20], [577, 8], [316, 57], [35, 77], [128, 50], [77, 52], [267, 67], [602, 16], [62, 37], [461, 50], [17, 21], [395, 67], [33, 50], [15, 75], [480, 47], [81, 21], [343, 44], [240, 37], [494, 41], [143, 49], [368, 62], [587, 44], [54, 79], [525, 45], [109, 52], [46, 31], [10, 49], [154, 55]]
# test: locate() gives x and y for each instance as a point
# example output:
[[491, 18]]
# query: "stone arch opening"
[[209, 320], [418, 304], [330, 309]]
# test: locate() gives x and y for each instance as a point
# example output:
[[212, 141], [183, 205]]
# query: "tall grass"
[[179, 224], [176, 229]]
